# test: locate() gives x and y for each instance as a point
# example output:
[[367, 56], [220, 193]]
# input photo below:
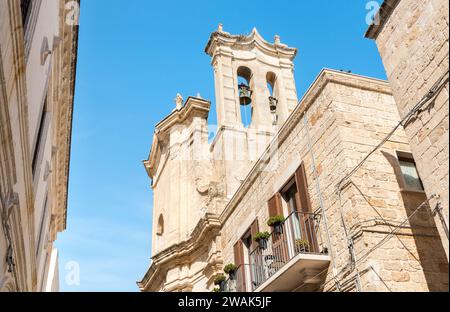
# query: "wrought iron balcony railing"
[[299, 234]]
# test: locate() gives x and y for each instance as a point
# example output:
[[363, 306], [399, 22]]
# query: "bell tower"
[[255, 94], [251, 71]]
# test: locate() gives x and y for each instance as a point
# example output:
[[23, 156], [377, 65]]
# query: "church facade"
[[317, 194]]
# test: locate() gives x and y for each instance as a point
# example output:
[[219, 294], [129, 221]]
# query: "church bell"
[[245, 94]]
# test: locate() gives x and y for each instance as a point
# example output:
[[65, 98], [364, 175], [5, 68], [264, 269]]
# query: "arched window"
[[245, 94], [271, 79], [160, 228]]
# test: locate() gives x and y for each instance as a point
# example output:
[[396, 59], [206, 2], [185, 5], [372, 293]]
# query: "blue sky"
[[134, 56]]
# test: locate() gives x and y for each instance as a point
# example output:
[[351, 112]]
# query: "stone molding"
[[193, 107], [382, 16], [254, 39], [206, 230], [66, 87]]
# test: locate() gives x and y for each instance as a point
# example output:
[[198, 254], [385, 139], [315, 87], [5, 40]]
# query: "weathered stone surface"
[[414, 46], [36, 104]]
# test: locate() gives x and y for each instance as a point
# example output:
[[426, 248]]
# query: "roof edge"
[[381, 18]]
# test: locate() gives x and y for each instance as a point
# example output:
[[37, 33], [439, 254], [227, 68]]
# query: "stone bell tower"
[[254, 76]]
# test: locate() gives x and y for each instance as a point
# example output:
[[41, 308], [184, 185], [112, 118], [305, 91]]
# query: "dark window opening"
[[25, 7], [39, 141], [409, 172]]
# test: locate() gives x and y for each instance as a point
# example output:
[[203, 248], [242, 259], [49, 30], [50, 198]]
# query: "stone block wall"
[[346, 117], [413, 43]]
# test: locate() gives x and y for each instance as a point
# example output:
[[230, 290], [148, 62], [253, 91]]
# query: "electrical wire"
[[434, 91]]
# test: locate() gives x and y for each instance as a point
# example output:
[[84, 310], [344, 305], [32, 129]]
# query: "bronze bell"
[[273, 102], [245, 94]]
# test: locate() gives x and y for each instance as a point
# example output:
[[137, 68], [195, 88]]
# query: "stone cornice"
[[381, 18], [194, 107], [325, 77], [69, 48], [220, 38], [207, 229]]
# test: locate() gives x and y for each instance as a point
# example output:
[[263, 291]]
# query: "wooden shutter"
[[304, 207], [254, 229], [275, 207], [239, 262], [302, 187], [279, 248]]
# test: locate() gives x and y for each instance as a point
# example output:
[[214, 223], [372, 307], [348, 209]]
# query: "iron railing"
[[299, 234]]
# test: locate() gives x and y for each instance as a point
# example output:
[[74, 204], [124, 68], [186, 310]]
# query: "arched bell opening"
[[245, 95], [271, 79]]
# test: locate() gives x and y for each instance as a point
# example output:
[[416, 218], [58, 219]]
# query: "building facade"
[[38, 52], [412, 37], [321, 195]]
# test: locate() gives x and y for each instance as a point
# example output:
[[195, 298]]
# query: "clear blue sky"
[[134, 56]]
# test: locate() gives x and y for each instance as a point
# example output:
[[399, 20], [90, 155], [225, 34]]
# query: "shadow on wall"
[[430, 251]]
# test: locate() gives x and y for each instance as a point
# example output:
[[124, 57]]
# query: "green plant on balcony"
[[261, 238], [220, 279], [230, 269], [277, 223], [302, 245], [216, 290]]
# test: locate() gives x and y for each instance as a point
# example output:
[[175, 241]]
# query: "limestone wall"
[[347, 116], [414, 46]]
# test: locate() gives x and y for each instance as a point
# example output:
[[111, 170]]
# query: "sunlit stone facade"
[[38, 52], [335, 167]]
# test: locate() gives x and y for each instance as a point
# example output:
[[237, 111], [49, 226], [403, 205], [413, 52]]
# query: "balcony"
[[294, 258]]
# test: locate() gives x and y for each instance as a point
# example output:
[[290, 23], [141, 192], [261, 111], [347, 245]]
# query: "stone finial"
[[220, 28], [179, 102], [277, 39], [199, 96]]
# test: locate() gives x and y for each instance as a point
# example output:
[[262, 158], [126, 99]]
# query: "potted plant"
[[220, 281], [231, 269], [277, 223], [261, 238], [302, 245]]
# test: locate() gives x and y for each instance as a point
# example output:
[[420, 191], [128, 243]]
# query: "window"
[[25, 7], [408, 168], [244, 255], [40, 140], [273, 96], [300, 223], [42, 228], [160, 228]]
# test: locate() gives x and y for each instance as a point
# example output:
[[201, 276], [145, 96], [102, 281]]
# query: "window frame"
[[408, 158]]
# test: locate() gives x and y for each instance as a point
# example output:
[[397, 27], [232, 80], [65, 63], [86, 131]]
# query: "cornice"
[[381, 18], [220, 39], [207, 229], [69, 48], [193, 107]]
